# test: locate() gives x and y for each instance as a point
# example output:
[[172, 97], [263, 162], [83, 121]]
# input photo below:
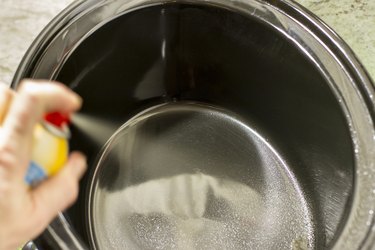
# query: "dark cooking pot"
[[242, 124]]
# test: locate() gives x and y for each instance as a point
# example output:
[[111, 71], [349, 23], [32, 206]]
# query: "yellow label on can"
[[49, 151]]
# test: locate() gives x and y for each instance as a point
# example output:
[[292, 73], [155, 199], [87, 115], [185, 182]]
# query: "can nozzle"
[[57, 119], [57, 123]]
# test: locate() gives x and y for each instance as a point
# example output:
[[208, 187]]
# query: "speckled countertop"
[[22, 20]]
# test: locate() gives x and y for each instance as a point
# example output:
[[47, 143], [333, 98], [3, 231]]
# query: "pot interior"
[[243, 144]]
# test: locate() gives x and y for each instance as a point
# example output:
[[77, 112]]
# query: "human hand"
[[26, 212]]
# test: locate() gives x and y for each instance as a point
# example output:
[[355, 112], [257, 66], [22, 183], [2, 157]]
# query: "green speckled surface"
[[354, 21], [22, 20]]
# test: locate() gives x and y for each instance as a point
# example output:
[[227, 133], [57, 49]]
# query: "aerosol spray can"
[[50, 148]]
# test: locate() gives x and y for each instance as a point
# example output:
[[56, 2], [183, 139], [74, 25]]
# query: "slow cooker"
[[215, 124]]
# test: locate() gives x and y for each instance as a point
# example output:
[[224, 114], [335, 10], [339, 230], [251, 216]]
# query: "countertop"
[[22, 20]]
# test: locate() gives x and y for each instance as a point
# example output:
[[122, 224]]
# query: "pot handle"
[[59, 235]]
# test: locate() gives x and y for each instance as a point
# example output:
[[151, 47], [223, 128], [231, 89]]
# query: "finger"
[[60, 191], [34, 99], [54, 96], [6, 95]]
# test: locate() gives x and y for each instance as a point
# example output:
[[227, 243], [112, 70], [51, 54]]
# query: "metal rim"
[[356, 95]]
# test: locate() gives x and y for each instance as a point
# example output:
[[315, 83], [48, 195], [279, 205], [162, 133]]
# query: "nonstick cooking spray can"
[[50, 148]]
